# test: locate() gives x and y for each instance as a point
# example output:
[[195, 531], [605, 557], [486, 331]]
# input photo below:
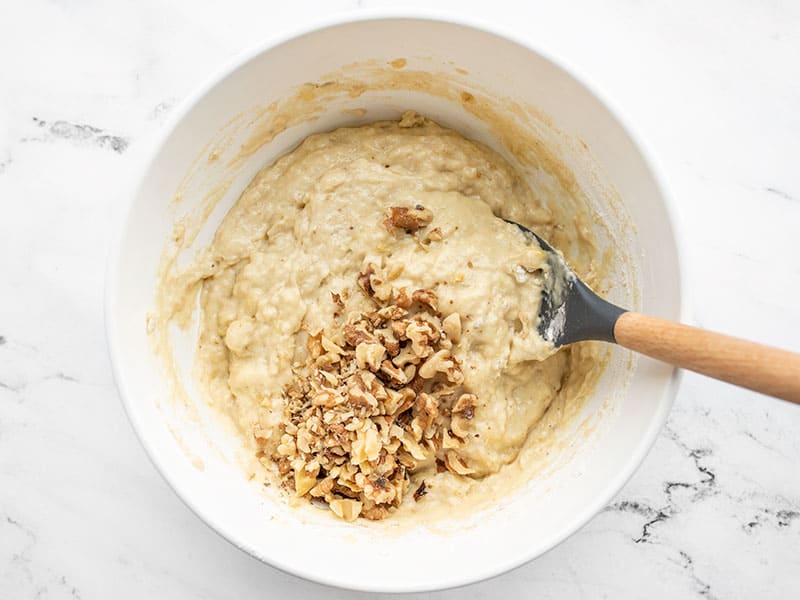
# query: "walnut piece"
[[456, 464], [462, 412], [426, 297], [452, 327], [346, 509], [410, 219]]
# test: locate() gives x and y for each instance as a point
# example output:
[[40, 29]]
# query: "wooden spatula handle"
[[755, 366]]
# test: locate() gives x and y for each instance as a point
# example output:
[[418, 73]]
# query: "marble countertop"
[[713, 512]]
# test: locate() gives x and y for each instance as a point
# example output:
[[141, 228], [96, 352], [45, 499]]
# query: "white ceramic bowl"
[[631, 401]]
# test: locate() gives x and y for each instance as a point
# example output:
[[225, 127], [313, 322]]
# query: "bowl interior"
[[242, 122]]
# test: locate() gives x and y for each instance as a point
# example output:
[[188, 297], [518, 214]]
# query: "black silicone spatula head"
[[570, 311]]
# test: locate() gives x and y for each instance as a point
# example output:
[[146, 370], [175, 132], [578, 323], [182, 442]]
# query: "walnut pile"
[[380, 396]]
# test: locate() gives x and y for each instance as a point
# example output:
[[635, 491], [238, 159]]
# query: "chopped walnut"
[[452, 327], [399, 329], [435, 235], [375, 513], [465, 406], [402, 299], [410, 219], [462, 412], [346, 509], [363, 279], [370, 355], [393, 312], [355, 333], [389, 342], [426, 409], [381, 288], [314, 345], [456, 464], [423, 334], [305, 480], [440, 362], [378, 397], [395, 375], [426, 297]]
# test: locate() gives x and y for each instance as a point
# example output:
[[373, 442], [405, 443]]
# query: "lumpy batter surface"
[[353, 222]]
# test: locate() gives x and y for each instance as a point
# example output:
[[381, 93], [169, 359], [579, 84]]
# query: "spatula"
[[571, 312]]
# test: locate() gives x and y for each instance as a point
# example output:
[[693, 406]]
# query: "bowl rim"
[[188, 103]]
